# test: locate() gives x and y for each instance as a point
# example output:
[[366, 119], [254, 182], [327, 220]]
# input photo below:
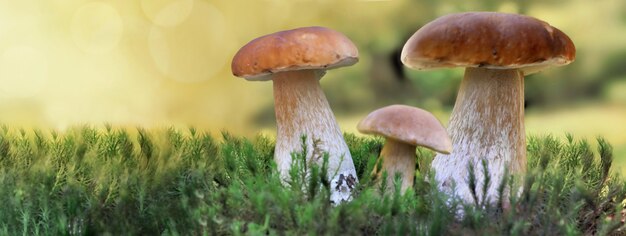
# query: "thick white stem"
[[302, 109], [398, 157], [487, 123]]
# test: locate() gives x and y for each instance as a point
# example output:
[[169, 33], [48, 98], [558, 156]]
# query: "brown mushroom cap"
[[409, 125], [488, 39], [296, 49]]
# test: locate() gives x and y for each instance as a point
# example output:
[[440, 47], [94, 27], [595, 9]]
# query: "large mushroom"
[[404, 128], [487, 122], [295, 60]]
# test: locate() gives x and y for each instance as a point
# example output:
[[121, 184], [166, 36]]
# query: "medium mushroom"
[[295, 60], [404, 128], [497, 50]]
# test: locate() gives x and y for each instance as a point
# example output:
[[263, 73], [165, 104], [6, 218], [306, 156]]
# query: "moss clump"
[[169, 181]]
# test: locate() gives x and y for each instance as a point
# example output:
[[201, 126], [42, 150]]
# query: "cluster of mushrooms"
[[487, 122]]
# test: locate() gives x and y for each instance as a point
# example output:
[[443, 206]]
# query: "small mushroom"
[[404, 128], [295, 60], [487, 122]]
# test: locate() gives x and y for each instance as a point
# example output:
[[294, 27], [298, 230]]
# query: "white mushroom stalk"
[[487, 123], [295, 60], [398, 158], [404, 128], [302, 109]]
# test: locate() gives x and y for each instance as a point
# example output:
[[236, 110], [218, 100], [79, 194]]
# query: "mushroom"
[[404, 128], [295, 60], [497, 50]]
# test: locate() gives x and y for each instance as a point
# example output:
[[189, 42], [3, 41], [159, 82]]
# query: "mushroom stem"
[[398, 157], [302, 109], [487, 122]]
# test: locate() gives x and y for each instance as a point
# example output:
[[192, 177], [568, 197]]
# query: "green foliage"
[[147, 182]]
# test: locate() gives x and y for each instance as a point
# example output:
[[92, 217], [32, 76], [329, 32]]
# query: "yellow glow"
[[167, 12], [164, 62], [97, 27], [159, 49], [509, 7], [23, 72], [195, 50]]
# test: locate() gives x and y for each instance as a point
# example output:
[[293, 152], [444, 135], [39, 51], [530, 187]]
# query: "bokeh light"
[[195, 50], [97, 27], [167, 12], [23, 72]]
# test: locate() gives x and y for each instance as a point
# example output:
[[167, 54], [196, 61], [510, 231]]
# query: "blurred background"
[[167, 62]]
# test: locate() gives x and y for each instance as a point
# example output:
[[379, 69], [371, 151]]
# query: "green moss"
[[91, 180]]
